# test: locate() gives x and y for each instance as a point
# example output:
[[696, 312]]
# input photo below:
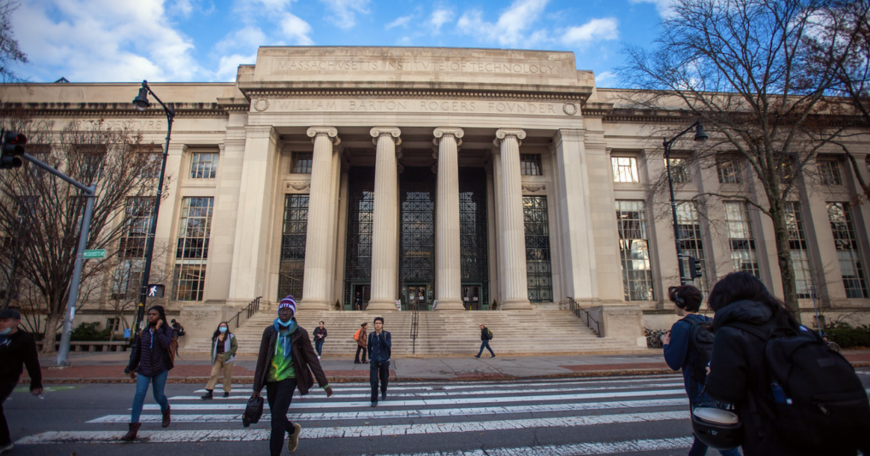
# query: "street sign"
[[98, 253], [155, 290]]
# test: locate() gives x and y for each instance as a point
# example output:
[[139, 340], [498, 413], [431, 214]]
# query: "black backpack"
[[815, 400], [700, 348]]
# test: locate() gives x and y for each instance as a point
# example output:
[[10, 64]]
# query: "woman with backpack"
[[150, 358], [223, 352], [361, 341], [687, 347], [757, 338]]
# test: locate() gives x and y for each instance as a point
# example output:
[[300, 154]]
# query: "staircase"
[[548, 332]]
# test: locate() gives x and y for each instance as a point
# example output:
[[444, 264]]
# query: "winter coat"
[[737, 370], [230, 347], [361, 340], [380, 347], [484, 335], [149, 355], [18, 350], [677, 353], [304, 360], [319, 332]]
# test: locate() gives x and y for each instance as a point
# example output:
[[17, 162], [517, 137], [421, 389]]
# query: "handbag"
[[253, 411]]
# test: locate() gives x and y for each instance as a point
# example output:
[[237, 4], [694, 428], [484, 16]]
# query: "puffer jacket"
[[149, 354]]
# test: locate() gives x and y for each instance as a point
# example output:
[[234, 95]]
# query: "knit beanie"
[[288, 302]]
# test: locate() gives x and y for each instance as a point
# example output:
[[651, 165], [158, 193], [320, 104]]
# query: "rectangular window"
[[848, 251], [152, 164], [624, 169], [637, 280], [728, 170], [679, 170], [691, 241], [131, 250], [302, 162], [530, 164], [797, 241], [785, 171], [829, 172], [191, 252], [293, 238], [86, 162], [740, 238], [203, 166], [538, 267]]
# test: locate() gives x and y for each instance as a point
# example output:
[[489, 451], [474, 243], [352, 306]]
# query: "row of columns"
[[384, 283]]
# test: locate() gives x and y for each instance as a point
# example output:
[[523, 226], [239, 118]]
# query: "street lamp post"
[[141, 102], [700, 136]]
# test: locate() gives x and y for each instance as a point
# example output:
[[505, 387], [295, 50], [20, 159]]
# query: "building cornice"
[[117, 109], [581, 94]]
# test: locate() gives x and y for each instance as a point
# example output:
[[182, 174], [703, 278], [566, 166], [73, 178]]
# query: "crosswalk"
[[619, 415]]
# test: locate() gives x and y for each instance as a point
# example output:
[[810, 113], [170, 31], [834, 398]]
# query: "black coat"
[[150, 357], [304, 360], [19, 350]]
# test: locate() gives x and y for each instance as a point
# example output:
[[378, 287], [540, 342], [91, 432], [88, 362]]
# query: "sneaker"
[[477, 357], [384, 396], [318, 356], [226, 394], [493, 356], [374, 403], [293, 439], [6, 447]]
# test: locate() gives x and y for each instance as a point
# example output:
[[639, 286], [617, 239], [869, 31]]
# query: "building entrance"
[[417, 297]]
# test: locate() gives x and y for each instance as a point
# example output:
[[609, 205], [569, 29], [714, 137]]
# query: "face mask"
[[5, 331], [285, 324], [222, 329]]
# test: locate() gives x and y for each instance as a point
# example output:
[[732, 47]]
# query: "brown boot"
[[166, 418], [131, 434]]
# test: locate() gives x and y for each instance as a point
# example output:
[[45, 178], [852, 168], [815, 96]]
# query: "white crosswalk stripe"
[[455, 408]]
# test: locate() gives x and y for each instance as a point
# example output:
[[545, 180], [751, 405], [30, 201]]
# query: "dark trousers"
[[279, 395], [318, 345], [485, 344], [376, 371], [5, 391], [356, 358]]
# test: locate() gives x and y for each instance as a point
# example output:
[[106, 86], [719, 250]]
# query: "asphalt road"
[[611, 415]]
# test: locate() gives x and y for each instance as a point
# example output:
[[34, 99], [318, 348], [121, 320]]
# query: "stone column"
[[318, 234], [385, 240], [448, 277], [515, 282]]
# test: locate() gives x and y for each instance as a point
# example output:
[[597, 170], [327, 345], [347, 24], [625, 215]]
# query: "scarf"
[[284, 338]]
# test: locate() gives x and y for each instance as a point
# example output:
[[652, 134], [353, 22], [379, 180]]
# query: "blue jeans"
[[142, 381], [318, 345], [485, 344]]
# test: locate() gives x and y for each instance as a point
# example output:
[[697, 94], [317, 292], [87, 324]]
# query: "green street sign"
[[99, 253]]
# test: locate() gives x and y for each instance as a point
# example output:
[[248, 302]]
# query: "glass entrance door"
[[471, 297], [417, 297]]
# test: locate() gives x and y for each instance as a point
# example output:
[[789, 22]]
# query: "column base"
[[312, 305], [516, 305], [381, 306], [450, 306]]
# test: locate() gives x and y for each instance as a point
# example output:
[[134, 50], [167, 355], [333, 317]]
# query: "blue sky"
[[206, 40]]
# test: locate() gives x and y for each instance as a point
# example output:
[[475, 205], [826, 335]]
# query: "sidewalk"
[[109, 367]]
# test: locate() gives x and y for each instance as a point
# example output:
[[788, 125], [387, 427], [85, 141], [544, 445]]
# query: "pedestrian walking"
[[319, 337], [357, 301], [485, 337], [151, 360], [17, 350], [223, 353], [379, 347], [686, 348], [286, 362], [361, 342]]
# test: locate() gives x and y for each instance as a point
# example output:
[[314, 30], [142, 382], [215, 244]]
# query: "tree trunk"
[[48, 339], [783, 256]]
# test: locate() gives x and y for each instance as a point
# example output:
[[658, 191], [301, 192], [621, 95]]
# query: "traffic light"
[[12, 150], [155, 290], [695, 268]]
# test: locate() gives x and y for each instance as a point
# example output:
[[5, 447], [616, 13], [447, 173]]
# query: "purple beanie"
[[288, 302]]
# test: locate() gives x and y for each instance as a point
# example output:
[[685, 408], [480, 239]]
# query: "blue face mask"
[[5, 331], [222, 329], [288, 323]]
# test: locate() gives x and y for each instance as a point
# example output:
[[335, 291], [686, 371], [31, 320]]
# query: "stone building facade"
[[477, 179]]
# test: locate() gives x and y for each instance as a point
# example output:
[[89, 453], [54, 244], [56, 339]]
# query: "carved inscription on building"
[[411, 106], [348, 64]]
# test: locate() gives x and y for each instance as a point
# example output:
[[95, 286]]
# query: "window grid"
[[829, 172], [204, 166], [360, 223], [728, 170], [740, 239], [131, 250], [691, 240], [848, 250], [302, 162], [797, 241], [153, 162], [191, 253], [679, 170], [624, 169], [530, 164], [294, 235], [538, 267], [86, 162], [637, 280]]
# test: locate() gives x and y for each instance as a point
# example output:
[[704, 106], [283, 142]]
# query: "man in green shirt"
[[285, 362]]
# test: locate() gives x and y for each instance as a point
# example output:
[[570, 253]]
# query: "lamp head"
[[700, 134], [141, 100]]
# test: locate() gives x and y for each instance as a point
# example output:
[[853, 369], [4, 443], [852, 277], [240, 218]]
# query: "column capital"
[[439, 132], [394, 132], [502, 133], [331, 132]]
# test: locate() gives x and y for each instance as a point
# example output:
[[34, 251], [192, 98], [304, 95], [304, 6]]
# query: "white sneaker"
[[6, 447], [318, 356]]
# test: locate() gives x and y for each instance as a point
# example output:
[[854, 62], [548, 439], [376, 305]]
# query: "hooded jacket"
[[19, 350], [150, 352], [304, 360]]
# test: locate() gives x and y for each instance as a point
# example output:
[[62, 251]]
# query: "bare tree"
[[742, 67], [50, 211], [10, 53]]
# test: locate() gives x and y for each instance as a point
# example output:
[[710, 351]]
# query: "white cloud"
[[296, 29], [399, 22], [592, 31], [440, 17], [511, 27], [664, 7], [605, 79], [250, 36], [229, 64], [126, 41], [345, 11], [182, 7]]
